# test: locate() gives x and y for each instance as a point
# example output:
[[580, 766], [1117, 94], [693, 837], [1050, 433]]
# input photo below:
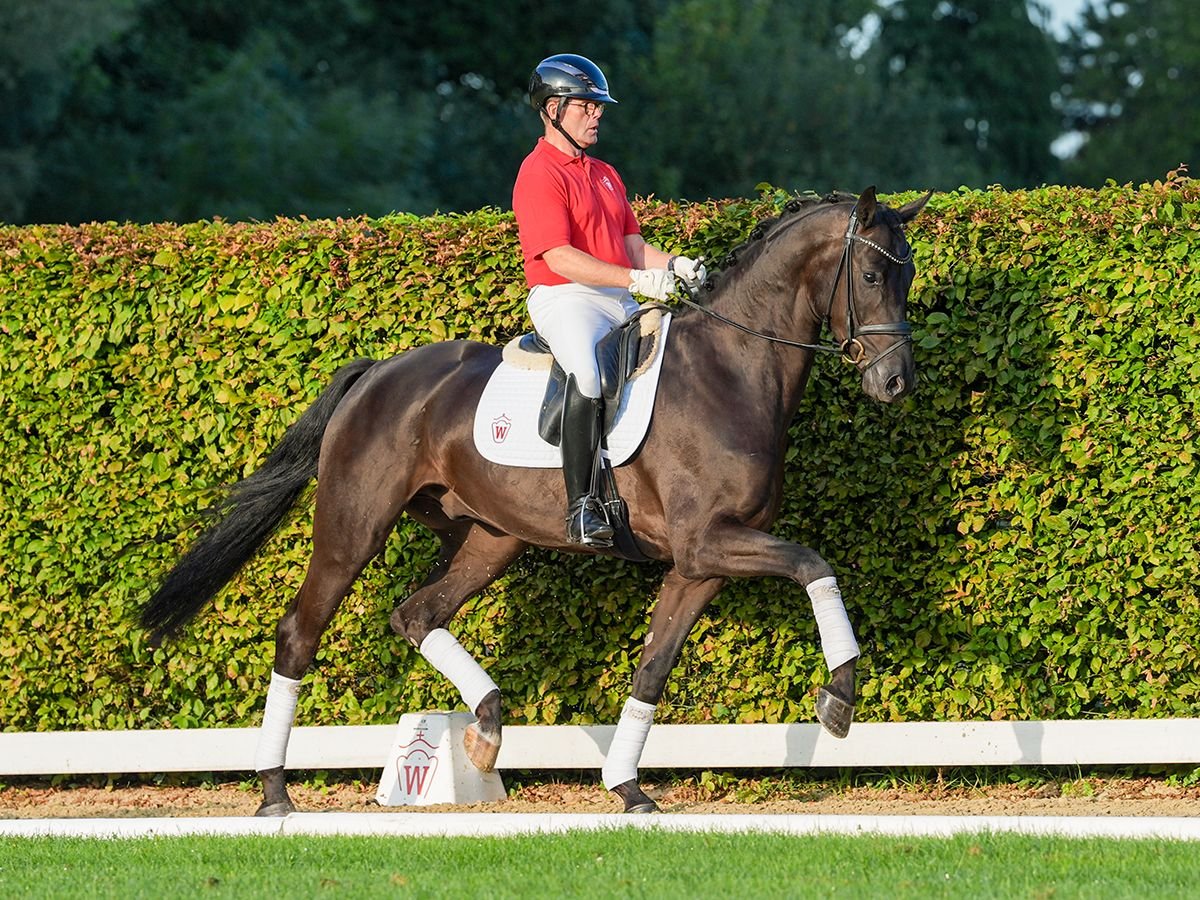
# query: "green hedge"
[[1016, 540]]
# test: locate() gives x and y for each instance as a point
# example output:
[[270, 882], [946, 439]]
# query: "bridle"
[[851, 349]]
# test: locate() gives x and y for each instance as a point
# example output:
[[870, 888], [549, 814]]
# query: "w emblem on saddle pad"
[[500, 426], [506, 420]]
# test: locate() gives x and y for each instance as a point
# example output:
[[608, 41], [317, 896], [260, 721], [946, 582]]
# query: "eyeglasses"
[[590, 107]]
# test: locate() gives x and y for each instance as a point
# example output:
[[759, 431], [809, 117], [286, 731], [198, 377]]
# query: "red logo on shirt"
[[608, 184]]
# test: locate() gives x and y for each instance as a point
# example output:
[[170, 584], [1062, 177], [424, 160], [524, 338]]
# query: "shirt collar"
[[563, 159]]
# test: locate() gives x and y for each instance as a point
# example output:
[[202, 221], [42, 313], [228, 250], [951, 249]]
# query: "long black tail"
[[247, 516]]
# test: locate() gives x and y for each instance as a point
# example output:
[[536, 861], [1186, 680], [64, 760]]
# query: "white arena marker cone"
[[427, 764]]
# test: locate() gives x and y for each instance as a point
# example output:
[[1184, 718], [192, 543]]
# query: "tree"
[[236, 108], [1132, 70], [473, 61], [728, 95], [248, 139], [990, 74], [154, 109], [254, 108], [43, 43]]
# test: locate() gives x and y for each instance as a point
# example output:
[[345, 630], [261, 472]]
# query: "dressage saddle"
[[619, 354]]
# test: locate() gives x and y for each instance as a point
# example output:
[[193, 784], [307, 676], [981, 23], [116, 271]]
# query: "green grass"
[[597, 864]]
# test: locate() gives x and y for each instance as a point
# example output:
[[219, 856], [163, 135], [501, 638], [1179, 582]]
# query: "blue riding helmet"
[[567, 75]]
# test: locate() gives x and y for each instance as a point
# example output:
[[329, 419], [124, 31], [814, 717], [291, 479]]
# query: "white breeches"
[[572, 318]]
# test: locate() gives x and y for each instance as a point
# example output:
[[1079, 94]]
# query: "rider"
[[584, 255]]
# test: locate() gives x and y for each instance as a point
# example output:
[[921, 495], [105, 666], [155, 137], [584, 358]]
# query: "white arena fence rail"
[[1094, 742]]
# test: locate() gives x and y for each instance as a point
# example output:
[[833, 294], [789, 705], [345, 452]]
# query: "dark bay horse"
[[393, 437]]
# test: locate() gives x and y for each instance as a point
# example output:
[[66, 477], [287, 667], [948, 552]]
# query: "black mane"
[[744, 254]]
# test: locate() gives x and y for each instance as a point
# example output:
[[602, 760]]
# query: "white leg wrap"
[[621, 763], [447, 655], [837, 637], [282, 696]]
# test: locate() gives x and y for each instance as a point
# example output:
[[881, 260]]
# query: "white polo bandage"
[[621, 763], [449, 657], [837, 637], [282, 696]]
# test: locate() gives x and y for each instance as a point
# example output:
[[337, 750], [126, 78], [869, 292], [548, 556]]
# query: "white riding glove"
[[657, 284], [690, 271]]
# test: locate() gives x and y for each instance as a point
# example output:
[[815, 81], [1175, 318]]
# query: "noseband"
[[851, 349]]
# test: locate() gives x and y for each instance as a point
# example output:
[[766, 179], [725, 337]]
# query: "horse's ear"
[[867, 207], [909, 211]]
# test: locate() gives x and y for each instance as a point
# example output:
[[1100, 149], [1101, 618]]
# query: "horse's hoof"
[[634, 798], [642, 808], [278, 809], [481, 749], [834, 713]]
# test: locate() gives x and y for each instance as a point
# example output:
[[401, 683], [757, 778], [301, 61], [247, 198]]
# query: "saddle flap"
[[621, 355], [506, 417]]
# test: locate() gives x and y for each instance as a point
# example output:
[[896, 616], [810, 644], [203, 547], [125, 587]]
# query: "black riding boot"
[[582, 426]]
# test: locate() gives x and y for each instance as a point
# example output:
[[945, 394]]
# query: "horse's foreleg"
[[679, 605], [740, 551], [835, 701], [470, 560]]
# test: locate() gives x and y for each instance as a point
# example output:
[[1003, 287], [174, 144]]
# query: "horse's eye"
[[870, 277]]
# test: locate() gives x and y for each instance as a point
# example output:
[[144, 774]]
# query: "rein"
[[903, 329]]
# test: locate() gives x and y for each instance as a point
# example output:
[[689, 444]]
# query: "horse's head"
[[837, 258], [869, 296]]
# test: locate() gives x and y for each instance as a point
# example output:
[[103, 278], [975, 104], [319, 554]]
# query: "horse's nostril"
[[894, 386]]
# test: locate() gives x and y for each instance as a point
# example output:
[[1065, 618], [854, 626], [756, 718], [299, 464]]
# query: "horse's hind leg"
[[346, 537], [680, 603], [296, 640], [471, 559]]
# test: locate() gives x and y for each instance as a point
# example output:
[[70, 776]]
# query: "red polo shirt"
[[565, 200]]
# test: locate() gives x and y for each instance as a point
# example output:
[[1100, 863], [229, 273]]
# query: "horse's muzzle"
[[887, 379]]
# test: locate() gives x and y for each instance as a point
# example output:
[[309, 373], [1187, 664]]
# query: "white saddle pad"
[[506, 420]]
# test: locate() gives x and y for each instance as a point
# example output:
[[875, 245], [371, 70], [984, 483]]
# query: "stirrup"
[[587, 524]]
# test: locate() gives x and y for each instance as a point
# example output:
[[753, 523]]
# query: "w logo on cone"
[[414, 778], [428, 764], [416, 764]]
